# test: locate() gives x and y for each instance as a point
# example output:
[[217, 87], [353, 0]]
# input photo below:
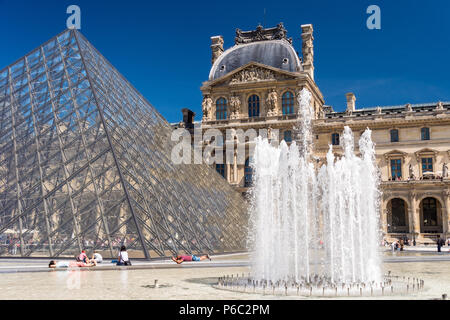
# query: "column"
[[445, 214], [235, 170], [414, 216]]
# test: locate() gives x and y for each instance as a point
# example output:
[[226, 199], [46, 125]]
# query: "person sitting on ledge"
[[180, 259], [123, 259], [97, 257]]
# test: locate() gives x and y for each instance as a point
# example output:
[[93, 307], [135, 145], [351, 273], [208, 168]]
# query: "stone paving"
[[190, 280]]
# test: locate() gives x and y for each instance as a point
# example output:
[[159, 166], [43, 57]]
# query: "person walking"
[[440, 243]]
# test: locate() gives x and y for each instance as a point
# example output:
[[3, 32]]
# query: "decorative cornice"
[[261, 34]]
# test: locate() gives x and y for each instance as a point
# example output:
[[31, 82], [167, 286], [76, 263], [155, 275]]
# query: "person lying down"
[[71, 264]]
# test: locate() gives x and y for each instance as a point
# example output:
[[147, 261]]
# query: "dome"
[[276, 53]]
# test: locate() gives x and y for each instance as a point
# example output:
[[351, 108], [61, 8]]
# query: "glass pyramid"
[[85, 164]]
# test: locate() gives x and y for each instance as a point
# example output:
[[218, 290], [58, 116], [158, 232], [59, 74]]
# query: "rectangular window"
[[220, 168], [425, 133], [288, 136], [427, 165], [396, 168], [394, 135], [335, 139]]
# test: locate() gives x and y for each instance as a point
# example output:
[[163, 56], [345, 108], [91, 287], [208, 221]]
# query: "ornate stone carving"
[[411, 173], [378, 110], [216, 48], [206, 107], [440, 106], [261, 34], [272, 102], [235, 105], [252, 74], [444, 171], [321, 113], [408, 107]]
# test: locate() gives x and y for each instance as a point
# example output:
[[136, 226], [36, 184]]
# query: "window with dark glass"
[[220, 168], [427, 165], [288, 136], [396, 168], [253, 106], [398, 213], [394, 135], [221, 109], [248, 173], [335, 139], [425, 133], [429, 206], [287, 102]]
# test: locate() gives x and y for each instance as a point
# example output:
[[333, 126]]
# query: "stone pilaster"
[[446, 214], [414, 214]]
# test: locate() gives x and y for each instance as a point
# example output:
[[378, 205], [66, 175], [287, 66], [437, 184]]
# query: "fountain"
[[314, 230]]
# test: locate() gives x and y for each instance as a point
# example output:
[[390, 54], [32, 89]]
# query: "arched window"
[[425, 133], [429, 212], [287, 102], [248, 173], [394, 135], [288, 136], [335, 139], [398, 216], [253, 106], [221, 109], [431, 216]]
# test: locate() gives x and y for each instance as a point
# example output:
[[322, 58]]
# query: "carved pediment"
[[424, 153], [395, 154], [252, 74]]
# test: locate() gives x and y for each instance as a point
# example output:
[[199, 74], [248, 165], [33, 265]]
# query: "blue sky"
[[163, 48]]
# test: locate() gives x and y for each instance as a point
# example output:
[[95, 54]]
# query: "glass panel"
[[95, 166]]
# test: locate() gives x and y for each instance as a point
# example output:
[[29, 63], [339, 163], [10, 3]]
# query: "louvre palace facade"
[[255, 83]]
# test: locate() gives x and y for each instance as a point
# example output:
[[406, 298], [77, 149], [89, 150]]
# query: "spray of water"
[[309, 222]]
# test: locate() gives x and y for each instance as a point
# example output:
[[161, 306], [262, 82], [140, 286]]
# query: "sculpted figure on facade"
[[411, 173], [444, 171], [408, 107], [271, 102], [320, 113], [252, 74], [235, 104], [440, 106], [206, 107]]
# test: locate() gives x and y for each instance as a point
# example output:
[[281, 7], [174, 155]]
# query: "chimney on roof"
[[350, 102], [188, 118], [216, 47], [308, 49]]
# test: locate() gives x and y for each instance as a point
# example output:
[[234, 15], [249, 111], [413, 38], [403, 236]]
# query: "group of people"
[[82, 260], [400, 244]]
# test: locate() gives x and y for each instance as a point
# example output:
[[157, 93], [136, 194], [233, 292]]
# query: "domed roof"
[[276, 53]]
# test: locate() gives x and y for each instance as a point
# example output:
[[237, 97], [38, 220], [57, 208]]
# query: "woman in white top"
[[123, 257]]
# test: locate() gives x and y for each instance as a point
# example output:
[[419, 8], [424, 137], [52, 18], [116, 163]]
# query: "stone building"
[[254, 84]]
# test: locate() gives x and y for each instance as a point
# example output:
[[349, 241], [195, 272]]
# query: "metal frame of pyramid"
[[85, 164]]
